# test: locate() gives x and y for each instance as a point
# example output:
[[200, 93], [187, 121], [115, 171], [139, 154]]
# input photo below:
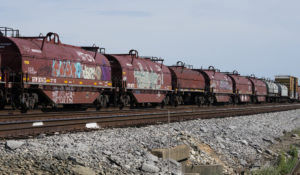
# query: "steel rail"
[[29, 126]]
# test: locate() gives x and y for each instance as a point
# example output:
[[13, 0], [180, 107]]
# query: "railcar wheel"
[[202, 100], [24, 107], [35, 100], [199, 100], [106, 101], [124, 101], [99, 102], [98, 106], [2, 100], [163, 103], [176, 101], [2, 105], [24, 102], [236, 100], [231, 100], [121, 106], [211, 100], [167, 100]]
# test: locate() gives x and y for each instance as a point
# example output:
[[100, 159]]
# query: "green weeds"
[[284, 165]]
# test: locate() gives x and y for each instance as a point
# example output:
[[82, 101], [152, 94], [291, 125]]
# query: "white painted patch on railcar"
[[37, 124], [36, 50], [92, 126]]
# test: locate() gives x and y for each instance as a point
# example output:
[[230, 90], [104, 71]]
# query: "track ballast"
[[20, 126]]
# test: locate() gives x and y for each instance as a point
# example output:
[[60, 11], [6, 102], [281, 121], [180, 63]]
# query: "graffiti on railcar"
[[98, 73], [225, 85], [77, 70], [85, 56], [89, 72], [57, 68], [31, 70], [106, 71], [62, 96], [148, 79]]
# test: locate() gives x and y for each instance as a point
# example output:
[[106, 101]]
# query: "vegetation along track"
[[15, 126], [296, 170]]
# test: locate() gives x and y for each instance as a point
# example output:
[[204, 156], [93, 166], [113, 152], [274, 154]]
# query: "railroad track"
[[16, 126]]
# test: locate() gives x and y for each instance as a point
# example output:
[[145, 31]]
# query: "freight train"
[[42, 71]]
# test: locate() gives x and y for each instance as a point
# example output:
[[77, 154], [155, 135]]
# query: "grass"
[[284, 166], [296, 131]]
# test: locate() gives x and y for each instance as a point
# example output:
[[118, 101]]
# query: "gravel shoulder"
[[237, 143]]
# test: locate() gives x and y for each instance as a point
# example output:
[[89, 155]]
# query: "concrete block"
[[203, 169], [178, 153]]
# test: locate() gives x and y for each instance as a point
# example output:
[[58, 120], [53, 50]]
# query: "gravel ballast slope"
[[237, 141]]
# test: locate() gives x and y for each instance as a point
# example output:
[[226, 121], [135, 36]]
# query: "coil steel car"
[[242, 88], [188, 85], [42, 71]]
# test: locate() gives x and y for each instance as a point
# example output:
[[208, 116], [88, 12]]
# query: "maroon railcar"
[[219, 86], [139, 80], [298, 93], [242, 87], [259, 90], [43, 70], [188, 85]]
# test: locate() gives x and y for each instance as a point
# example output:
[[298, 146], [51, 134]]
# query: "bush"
[[284, 165]]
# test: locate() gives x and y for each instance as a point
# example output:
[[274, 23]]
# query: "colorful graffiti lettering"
[[88, 72], [78, 70], [148, 79]]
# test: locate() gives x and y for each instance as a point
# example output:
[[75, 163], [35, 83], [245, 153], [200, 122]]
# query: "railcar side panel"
[[242, 87], [259, 90], [65, 73], [148, 81], [188, 80], [218, 84]]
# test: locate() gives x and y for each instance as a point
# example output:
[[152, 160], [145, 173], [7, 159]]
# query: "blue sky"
[[258, 37]]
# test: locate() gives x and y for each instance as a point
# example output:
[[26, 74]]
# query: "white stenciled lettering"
[[62, 96], [85, 57]]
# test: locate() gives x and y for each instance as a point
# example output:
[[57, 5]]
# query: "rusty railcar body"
[[259, 90], [188, 85], [219, 86], [43, 70], [242, 88], [140, 80]]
